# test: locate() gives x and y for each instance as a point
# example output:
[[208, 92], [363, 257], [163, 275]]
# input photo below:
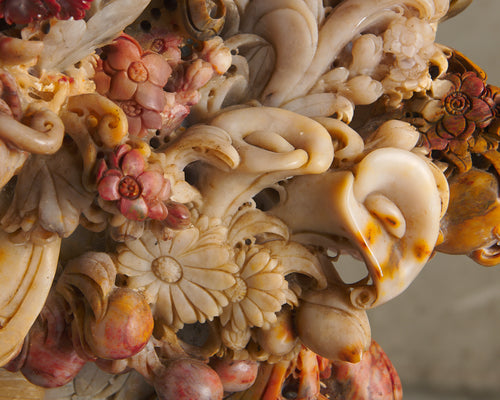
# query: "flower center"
[[131, 108], [167, 269], [238, 291], [137, 72], [457, 103], [158, 45], [129, 188]]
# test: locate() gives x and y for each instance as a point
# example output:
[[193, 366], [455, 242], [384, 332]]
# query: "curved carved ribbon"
[[388, 208]]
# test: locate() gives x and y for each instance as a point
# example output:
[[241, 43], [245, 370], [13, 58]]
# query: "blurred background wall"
[[443, 333]]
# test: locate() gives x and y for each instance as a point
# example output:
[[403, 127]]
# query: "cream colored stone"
[[26, 273]]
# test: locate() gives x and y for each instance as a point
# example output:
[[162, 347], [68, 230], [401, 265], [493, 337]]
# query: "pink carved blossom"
[[26, 11], [138, 193], [134, 80]]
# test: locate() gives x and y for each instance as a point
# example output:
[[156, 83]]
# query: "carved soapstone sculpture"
[[180, 178]]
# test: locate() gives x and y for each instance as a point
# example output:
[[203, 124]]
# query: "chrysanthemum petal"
[[184, 240], [256, 264], [152, 245], [131, 260], [263, 300], [265, 281], [151, 291], [183, 306], [209, 278], [226, 315], [139, 249], [164, 305], [238, 319], [141, 281], [200, 298], [219, 297], [252, 312], [208, 256]]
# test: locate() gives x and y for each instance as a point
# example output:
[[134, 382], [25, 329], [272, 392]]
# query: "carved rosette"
[[183, 276]]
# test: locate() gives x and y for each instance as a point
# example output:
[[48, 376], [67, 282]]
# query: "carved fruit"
[[186, 379], [374, 378], [235, 375], [124, 328], [280, 338], [329, 325], [50, 362]]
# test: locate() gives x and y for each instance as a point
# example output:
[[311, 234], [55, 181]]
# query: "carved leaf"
[[49, 196]]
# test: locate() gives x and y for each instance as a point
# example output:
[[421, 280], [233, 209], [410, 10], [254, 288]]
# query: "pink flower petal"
[[122, 52], [455, 79], [480, 112], [454, 124], [113, 172], [101, 169], [102, 82], [151, 119], [133, 163], [122, 88], [117, 155], [134, 125], [150, 96], [165, 190], [159, 69], [472, 84], [108, 187], [151, 183], [197, 75], [136, 209], [157, 210]]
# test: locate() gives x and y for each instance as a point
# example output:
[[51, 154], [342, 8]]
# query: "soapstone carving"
[[180, 178]]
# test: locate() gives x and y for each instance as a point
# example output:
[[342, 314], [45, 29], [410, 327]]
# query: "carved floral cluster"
[[258, 294], [410, 41], [156, 89], [183, 276], [134, 80], [26, 11], [459, 117], [137, 192]]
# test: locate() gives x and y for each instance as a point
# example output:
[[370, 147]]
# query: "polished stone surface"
[[442, 333]]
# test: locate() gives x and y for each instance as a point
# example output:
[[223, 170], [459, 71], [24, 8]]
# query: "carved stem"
[[45, 135]]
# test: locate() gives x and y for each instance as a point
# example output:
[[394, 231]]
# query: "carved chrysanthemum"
[[183, 276], [258, 294]]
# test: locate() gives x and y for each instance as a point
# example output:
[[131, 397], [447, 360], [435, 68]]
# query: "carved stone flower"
[[26, 11], [138, 193], [467, 107], [411, 42], [259, 292], [134, 80], [183, 276]]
